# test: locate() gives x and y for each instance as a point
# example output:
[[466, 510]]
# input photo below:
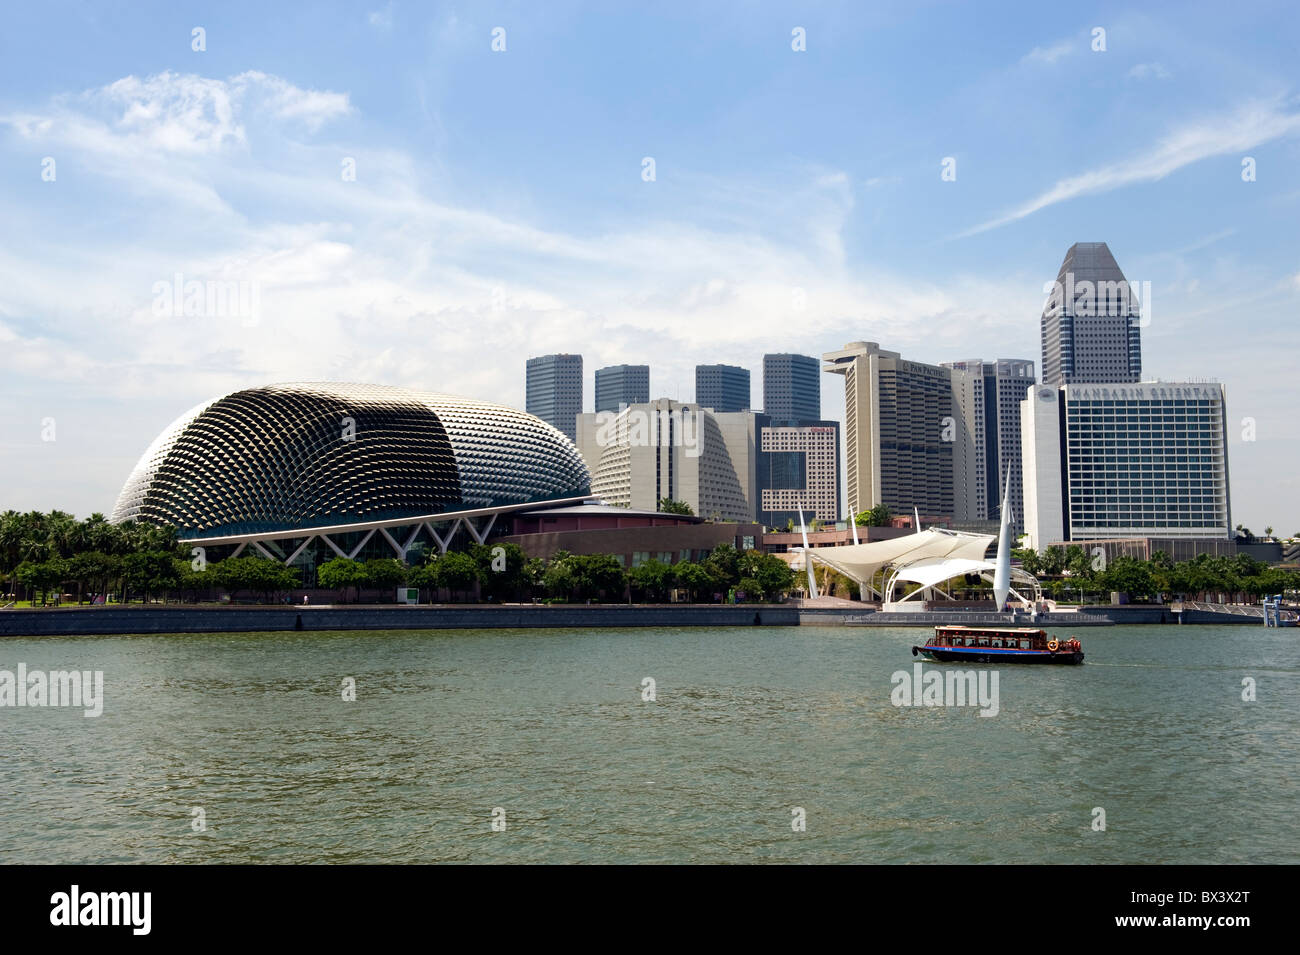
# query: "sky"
[[396, 201]]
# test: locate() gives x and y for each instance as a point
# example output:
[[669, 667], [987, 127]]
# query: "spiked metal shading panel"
[[303, 455]]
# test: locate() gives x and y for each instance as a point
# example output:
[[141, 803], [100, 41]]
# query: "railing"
[[1240, 610]]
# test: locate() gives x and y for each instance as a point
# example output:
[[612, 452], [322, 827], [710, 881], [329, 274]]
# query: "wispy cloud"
[[1048, 54], [175, 113], [1207, 240], [1256, 123], [1143, 71], [382, 19]]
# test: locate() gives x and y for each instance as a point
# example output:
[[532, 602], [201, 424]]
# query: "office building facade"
[[619, 385], [898, 450], [792, 388], [987, 397], [798, 467], [722, 388], [553, 391]]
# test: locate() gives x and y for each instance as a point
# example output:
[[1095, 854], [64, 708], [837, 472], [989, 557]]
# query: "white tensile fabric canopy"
[[861, 562], [927, 573], [931, 573]]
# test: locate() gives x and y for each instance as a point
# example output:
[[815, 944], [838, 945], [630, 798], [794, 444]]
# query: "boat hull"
[[995, 655]]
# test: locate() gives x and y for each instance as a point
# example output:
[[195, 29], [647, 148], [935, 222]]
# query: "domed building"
[[324, 468]]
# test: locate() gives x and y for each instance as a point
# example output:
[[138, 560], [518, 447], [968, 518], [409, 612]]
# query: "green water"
[[748, 723]]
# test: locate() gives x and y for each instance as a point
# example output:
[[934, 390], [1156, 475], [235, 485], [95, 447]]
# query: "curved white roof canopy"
[[930, 573], [861, 562]]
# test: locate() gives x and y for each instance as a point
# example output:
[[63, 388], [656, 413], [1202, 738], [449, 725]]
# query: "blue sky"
[[499, 209]]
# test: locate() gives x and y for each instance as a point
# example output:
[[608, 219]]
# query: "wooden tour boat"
[[961, 644]]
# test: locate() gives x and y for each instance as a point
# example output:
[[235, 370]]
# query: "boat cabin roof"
[[951, 628]]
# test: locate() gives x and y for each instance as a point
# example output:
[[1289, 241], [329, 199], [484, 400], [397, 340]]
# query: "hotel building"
[[1125, 460]]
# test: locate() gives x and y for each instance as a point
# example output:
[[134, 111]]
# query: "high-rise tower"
[[554, 391], [1091, 323], [722, 388], [620, 385], [792, 388]]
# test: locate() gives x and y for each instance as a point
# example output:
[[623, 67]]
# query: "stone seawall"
[[106, 620]]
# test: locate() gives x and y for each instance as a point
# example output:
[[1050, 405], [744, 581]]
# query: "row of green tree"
[[43, 556], [56, 553], [499, 572], [148, 575], [1063, 570]]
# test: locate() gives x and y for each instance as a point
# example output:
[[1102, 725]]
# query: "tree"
[[1028, 560], [384, 573], [596, 575], [1052, 561], [268, 578], [652, 580], [501, 569], [191, 582], [558, 578], [1129, 575], [693, 577], [338, 574], [669, 506], [877, 516], [96, 572], [1078, 562], [457, 571], [773, 575], [534, 574], [763, 576], [41, 576], [150, 572], [723, 565]]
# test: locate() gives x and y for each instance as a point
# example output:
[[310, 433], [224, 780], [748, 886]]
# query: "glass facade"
[[620, 385], [722, 388], [554, 391], [792, 387]]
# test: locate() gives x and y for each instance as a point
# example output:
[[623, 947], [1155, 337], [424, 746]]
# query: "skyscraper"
[[792, 388], [895, 415], [554, 391], [1091, 323], [723, 388], [988, 396], [620, 385]]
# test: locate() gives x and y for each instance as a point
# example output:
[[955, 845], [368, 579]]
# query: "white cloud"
[[382, 19], [1253, 124], [1143, 70], [286, 101], [1048, 54], [175, 113]]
